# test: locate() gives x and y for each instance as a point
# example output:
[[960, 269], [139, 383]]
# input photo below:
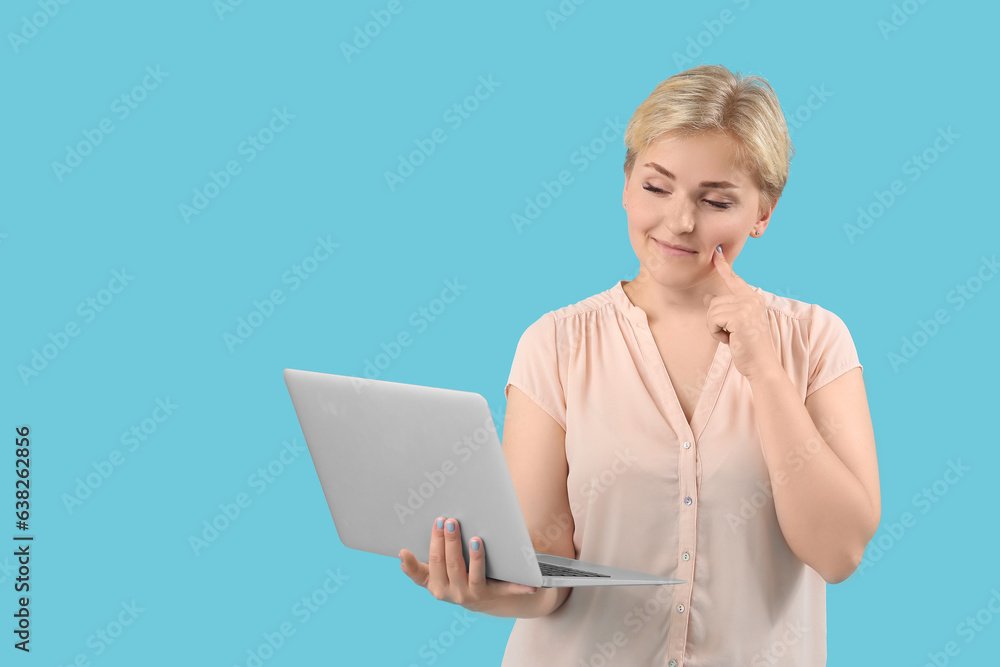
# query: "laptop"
[[392, 457]]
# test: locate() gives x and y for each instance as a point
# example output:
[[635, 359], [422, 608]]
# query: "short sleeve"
[[831, 349], [535, 368]]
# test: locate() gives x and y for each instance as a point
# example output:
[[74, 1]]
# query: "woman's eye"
[[715, 204]]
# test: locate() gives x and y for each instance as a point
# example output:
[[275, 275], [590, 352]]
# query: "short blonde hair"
[[710, 98]]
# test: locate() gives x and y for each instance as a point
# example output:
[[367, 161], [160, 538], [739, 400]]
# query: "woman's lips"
[[675, 252]]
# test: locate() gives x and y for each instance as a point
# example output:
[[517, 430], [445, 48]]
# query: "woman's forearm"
[[542, 602], [822, 508]]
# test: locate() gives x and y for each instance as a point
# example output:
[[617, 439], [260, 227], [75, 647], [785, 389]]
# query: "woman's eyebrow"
[[721, 185]]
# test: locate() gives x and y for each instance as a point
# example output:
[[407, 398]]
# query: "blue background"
[[224, 73]]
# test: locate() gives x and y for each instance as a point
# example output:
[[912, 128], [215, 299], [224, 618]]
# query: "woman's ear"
[[766, 218]]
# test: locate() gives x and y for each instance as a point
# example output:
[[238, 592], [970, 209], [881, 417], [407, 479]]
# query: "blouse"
[[653, 493]]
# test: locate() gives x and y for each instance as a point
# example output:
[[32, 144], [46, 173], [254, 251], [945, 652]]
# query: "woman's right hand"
[[445, 576]]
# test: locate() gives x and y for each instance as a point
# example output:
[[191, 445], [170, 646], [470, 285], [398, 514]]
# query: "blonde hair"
[[710, 98]]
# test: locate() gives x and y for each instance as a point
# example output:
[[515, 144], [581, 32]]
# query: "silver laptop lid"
[[391, 457]]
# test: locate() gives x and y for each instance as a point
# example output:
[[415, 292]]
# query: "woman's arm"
[[542, 602], [534, 446], [825, 486]]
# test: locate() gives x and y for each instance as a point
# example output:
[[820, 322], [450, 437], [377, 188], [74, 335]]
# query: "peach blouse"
[[652, 493]]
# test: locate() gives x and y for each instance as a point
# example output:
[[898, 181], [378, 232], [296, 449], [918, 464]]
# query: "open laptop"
[[392, 457]]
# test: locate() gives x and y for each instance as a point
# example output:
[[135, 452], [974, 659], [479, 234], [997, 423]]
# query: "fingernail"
[[718, 248], [475, 545], [440, 523], [451, 526]]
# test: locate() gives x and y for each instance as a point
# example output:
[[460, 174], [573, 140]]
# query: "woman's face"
[[689, 192]]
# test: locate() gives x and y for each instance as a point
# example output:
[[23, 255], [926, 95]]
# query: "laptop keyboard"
[[550, 570]]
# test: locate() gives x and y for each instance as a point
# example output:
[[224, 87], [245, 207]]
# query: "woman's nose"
[[680, 218]]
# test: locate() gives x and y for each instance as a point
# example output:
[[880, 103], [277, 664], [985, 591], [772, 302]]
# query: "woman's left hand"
[[739, 319]]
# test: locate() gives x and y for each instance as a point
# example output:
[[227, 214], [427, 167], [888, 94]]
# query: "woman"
[[684, 423]]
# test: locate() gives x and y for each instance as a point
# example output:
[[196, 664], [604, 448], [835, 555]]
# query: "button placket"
[[688, 572], [686, 462], [688, 471]]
